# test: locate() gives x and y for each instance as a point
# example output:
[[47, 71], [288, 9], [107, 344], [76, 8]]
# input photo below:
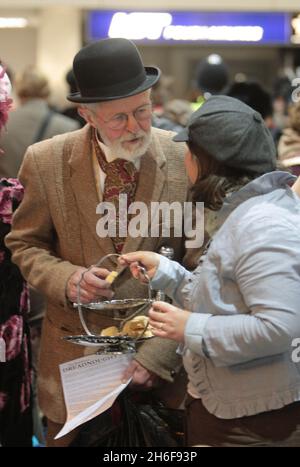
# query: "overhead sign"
[[175, 26], [295, 38]]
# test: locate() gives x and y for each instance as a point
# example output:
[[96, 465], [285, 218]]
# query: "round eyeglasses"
[[119, 121]]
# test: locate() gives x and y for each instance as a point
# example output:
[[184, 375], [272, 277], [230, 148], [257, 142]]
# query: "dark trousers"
[[274, 428]]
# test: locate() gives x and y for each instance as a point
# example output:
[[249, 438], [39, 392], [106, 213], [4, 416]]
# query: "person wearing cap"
[[212, 78], [237, 316], [54, 239]]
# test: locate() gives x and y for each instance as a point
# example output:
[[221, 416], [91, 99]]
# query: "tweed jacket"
[[54, 232]]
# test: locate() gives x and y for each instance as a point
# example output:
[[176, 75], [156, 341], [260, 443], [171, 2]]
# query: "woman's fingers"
[[131, 258], [145, 259]]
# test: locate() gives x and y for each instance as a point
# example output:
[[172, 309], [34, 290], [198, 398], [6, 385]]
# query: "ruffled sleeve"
[[11, 194]]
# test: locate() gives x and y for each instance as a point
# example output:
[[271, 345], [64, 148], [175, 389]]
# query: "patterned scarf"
[[121, 178]]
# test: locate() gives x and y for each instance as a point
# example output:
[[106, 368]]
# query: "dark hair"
[[215, 179], [254, 95], [212, 77], [282, 87]]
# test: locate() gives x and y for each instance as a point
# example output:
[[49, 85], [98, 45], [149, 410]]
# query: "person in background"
[[16, 423], [166, 110], [254, 95], [179, 111], [32, 121], [162, 92], [54, 239], [281, 95], [71, 110], [174, 117], [289, 143], [212, 78], [237, 315]]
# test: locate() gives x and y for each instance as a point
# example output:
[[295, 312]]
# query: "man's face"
[[124, 125]]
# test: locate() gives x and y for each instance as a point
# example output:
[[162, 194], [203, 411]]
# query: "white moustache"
[[125, 140]]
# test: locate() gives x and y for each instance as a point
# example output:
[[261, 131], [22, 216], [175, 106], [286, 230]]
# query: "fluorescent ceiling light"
[[13, 22]]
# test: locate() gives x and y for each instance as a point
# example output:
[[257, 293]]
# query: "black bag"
[[132, 423]]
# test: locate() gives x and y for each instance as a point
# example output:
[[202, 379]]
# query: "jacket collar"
[[260, 186]]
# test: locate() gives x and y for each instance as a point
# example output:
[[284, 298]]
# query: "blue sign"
[[192, 26]]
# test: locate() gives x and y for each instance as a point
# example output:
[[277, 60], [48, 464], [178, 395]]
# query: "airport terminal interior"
[[149, 338]]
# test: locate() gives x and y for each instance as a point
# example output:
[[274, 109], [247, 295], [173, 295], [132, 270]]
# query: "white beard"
[[116, 150]]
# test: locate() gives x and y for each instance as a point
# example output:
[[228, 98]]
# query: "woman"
[[233, 147], [15, 354], [240, 311]]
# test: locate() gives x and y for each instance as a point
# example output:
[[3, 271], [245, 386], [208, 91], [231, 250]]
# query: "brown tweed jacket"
[[54, 232]]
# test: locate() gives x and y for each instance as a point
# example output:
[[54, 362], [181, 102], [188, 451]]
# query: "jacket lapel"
[[84, 187]]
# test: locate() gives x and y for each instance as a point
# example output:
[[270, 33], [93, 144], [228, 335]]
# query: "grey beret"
[[232, 133]]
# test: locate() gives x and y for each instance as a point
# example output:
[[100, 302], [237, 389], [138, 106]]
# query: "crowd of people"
[[223, 346]]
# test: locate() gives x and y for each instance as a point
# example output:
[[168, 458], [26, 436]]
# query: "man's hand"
[[92, 286], [140, 376]]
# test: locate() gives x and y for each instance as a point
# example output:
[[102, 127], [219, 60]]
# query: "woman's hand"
[[141, 259], [168, 321]]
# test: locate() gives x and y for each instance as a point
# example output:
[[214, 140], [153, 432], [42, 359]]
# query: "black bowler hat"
[[110, 69]]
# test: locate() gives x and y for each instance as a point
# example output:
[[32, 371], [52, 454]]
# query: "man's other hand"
[[92, 286], [141, 377]]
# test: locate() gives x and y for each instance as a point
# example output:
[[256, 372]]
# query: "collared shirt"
[[245, 300]]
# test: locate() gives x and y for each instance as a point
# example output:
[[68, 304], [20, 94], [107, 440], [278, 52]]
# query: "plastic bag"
[[132, 423]]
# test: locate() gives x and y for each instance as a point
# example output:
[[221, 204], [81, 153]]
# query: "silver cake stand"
[[111, 344]]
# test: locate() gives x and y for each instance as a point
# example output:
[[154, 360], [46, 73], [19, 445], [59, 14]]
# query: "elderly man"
[[55, 236]]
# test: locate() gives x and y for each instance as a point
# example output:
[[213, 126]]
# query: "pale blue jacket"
[[245, 299]]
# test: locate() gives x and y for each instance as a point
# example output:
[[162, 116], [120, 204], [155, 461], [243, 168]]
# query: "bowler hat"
[[233, 133], [110, 69]]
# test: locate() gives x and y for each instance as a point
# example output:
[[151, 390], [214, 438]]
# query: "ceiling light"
[[13, 22]]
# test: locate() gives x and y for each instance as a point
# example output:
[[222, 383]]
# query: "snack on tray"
[[133, 328], [111, 331], [112, 276]]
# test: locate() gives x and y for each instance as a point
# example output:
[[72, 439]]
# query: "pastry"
[[112, 276], [136, 326], [111, 331]]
